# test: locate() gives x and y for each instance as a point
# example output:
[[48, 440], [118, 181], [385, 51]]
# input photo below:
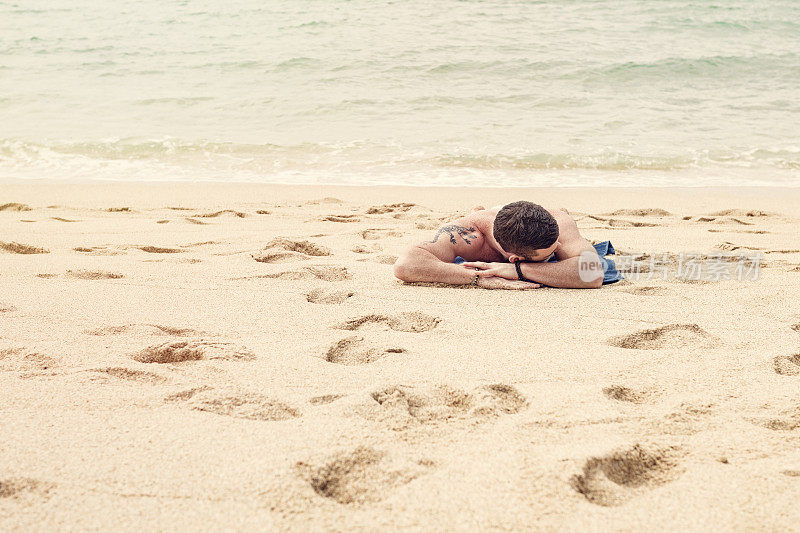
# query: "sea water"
[[444, 92]]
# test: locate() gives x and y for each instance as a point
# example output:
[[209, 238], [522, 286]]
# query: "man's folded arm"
[[420, 264], [566, 273]]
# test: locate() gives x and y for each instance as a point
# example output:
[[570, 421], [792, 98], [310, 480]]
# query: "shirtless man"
[[501, 243]]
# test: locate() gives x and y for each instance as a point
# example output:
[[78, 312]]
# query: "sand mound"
[[646, 212], [178, 352], [326, 273], [360, 476], [615, 478], [327, 296], [240, 404], [17, 248], [14, 206], [787, 366], [356, 351], [93, 274], [670, 336]]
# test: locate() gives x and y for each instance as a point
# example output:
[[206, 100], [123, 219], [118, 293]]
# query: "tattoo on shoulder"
[[452, 230]]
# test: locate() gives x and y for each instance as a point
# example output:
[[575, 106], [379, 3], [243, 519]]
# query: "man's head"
[[526, 231]]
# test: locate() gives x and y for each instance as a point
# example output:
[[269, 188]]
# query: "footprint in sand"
[[14, 206], [17, 248], [361, 476], [328, 296], [413, 322], [145, 329], [7, 308], [718, 220], [390, 208], [98, 250], [93, 274], [179, 352], [787, 419], [120, 374], [428, 225], [615, 478], [375, 234], [235, 403], [646, 291], [215, 214], [325, 399], [384, 259], [195, 221], [119, 210], [21, 359], [749, 213], [159, 250], [666, 337], [356, 351], [20, 486], [326, 273], [787, 366], [646, 212], [364, 249], [621, 393], [286, 250], [340, 218], [403, 407], [621, 223]]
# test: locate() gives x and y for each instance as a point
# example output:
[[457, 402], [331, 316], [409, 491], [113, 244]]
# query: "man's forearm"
[[564, 274], [421, 265]]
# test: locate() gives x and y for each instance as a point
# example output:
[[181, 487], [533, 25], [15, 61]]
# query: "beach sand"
[[208, 356]]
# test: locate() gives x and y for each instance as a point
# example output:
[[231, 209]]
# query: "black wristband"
[[519, 272]]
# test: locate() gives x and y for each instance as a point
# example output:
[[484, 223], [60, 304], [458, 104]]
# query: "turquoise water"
[[466, 93]]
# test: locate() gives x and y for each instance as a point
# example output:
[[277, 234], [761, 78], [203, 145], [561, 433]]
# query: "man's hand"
[[493, 270], [502, 283]]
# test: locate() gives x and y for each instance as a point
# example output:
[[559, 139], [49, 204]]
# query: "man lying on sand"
[[506, 247]]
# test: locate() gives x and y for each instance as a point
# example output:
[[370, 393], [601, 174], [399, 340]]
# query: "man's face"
[[542, 254]]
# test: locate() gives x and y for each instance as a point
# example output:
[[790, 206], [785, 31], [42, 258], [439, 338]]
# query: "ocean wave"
[[215, 159]]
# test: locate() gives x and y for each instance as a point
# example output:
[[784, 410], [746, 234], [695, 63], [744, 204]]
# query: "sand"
[[208, 356]]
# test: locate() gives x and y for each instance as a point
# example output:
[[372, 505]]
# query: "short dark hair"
[[523, 226]]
